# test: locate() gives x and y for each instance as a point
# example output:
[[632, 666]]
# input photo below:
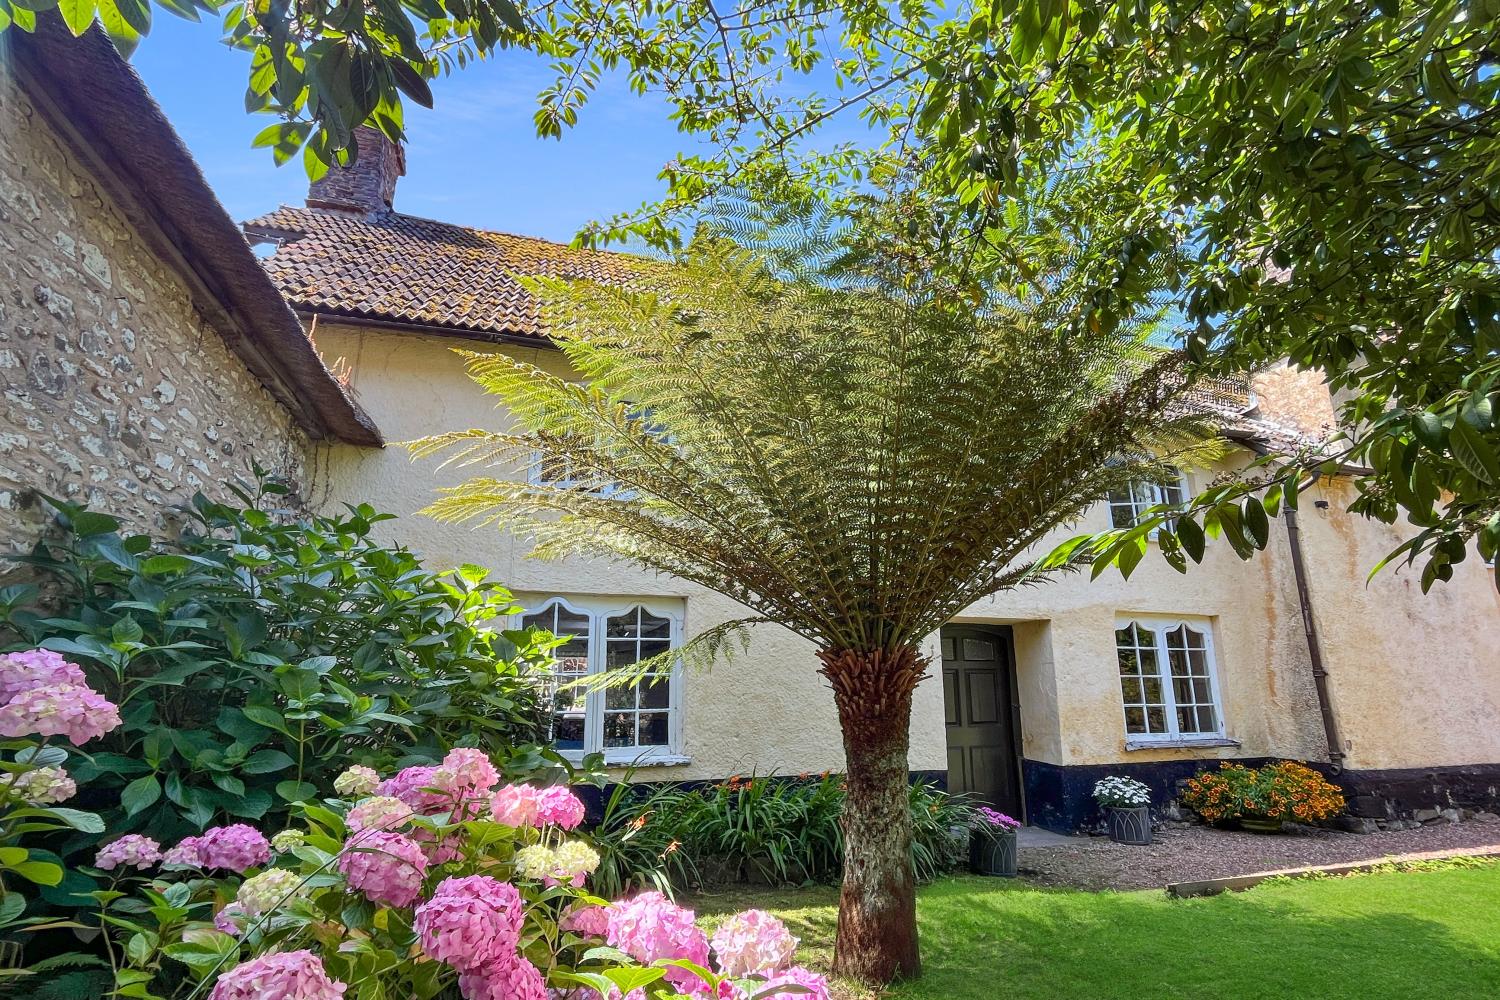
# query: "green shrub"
[[767, 829], [259, 654]]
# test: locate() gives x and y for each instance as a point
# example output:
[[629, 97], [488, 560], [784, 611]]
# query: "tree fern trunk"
[[877, 932]]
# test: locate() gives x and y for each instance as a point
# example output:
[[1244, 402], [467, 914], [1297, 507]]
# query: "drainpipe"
[[1314, 647]]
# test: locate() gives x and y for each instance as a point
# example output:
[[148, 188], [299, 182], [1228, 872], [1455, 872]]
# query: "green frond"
[[719, 644], [850, 427]]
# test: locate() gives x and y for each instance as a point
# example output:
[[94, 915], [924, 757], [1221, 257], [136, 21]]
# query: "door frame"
[[1006, 636]]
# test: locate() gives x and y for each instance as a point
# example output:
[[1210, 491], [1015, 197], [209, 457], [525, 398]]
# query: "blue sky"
[[474, 159]]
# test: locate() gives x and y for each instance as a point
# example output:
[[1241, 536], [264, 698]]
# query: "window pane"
[[653, 627], [619, 729], [619, 697], [625, 626], [567, 730], [1156, 720], [1135, 720], [653, 729], [1153, 690], [1130, 687], [1186, 720], [656, 692], [1207, 720]]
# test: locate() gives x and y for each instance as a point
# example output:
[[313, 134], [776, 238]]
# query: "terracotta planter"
[[994, 854], [1129, 825]]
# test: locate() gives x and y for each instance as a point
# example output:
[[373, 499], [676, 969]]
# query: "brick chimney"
[[367, 186]]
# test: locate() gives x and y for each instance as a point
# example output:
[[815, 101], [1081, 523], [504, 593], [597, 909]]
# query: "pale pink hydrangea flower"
[[559, 805], [515, 805], [356, 780], [513, 979], [285, 975], [74, 711], [45, 786], [131, 850], [651, 927], [379, 812], [387, 867], [234, 847], [590, 921], [471, 923], [753, 942], [34, 668], [816, 985], [231, 919]]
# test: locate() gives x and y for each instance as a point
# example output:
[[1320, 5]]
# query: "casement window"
[[1168, 680], [558, 472], [1127, 505], [628, 724]]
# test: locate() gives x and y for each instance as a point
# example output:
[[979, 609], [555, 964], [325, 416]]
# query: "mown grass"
[[1415, 933]]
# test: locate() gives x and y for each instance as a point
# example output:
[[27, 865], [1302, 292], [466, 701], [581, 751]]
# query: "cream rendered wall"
[[1414, 679], [770, 710], [766, 710]]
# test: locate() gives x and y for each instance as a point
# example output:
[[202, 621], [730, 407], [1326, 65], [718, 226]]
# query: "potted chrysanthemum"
[[992, 843], [1127, 809]]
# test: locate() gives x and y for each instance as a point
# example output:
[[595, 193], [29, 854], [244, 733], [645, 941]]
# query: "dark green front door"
[[978, 681]]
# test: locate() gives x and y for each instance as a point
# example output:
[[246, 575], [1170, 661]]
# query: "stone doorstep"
[[1211, 886]]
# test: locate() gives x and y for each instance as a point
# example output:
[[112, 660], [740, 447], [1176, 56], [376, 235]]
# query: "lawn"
[[1395, 934]]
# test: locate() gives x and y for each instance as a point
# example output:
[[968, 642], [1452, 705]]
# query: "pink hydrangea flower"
[[131, 850], [34, 668], [184, 854], [513, 979], [590, 921], [466, 772], [559, 805], [379, 812], [387, 867], [285, 975], [45, 786], [471, 923], [413, 785], [753, 942], [651, 927], [816, 985], [74, 711], [231, 919], [515, 805], [235, 847]]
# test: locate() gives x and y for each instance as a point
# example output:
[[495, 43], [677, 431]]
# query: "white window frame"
[[1158, 626], [1155, 496], [599, 610]]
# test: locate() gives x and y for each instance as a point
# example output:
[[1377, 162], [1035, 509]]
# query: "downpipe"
[[1314, 645]]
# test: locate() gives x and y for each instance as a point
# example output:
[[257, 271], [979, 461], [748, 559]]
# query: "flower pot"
[[994, 853], [1260, 825], [1129, 825]]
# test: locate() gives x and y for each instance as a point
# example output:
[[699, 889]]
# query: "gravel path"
[[1195, 852]]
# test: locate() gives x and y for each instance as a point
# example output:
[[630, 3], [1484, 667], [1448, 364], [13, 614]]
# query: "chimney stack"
[[369, 185]]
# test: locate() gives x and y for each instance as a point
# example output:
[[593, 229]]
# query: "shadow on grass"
[[1410, 934]]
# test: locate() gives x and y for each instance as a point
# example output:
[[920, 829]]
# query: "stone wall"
[[116, 391]]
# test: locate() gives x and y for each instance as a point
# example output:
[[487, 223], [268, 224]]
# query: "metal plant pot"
[[1129, 825], [994, 854]]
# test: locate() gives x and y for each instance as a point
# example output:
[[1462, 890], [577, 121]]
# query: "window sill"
[[1186, 743], [633, 761]]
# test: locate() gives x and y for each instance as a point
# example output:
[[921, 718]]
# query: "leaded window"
[[1167, 681]]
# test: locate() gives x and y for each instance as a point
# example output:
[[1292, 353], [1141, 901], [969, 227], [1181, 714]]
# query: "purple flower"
[[816, 985], [185, 854], [559, 805], [286, 975], [235, 847], [471, 923], [387, 867], [131, 850], [34, 668], [414, 786], [74, 711], [990, 817]]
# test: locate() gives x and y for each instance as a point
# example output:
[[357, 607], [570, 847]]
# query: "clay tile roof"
[[406, 270]]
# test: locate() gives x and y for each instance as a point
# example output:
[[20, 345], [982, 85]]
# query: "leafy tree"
[[855, 432]]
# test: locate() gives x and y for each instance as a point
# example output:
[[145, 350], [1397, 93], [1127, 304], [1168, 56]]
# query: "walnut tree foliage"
[[855, 430]]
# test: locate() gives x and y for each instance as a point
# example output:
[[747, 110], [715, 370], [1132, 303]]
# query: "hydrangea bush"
[[430, 880]]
